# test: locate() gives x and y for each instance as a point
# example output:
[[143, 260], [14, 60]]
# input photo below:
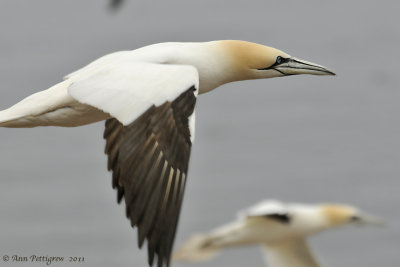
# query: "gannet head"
[[255, 61], [311, 219], [338, 215]]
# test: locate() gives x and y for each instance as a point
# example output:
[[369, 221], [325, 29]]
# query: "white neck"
[[289, 253]]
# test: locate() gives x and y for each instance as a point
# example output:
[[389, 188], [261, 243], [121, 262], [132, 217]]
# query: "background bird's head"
[[255, 61], [311, 219], [338, 215]]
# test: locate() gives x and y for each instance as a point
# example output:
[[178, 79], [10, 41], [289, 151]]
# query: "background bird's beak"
[[296, 66], [368, 219]]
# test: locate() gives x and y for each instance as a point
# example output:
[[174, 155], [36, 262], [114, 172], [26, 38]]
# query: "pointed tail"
[[197, 248], [26, 112], [202, 247]]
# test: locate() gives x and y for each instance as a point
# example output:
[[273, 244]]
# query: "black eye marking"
[[280, 217], [355, 218], [279, 60]]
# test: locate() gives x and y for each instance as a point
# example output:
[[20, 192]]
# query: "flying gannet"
[[114, 4], [281, 229], [147, 97]]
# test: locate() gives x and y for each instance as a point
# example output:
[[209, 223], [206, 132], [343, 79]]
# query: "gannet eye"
[[279, 60], [355, 218]]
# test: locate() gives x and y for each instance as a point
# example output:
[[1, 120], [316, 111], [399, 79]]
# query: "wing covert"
[[126, 90]]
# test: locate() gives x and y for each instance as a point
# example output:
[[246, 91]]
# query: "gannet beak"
[[368, 219], [294, 66]]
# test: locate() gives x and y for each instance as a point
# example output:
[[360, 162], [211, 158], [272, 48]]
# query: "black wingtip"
[[120, 195], [150, 250], [141, 237]]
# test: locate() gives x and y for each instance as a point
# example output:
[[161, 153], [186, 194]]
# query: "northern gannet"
[[281, 229], [114, 4], [147, 97]]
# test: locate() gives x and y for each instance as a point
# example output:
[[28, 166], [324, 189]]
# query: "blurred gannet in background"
[[147, 97], [280, 228], [115, 4]]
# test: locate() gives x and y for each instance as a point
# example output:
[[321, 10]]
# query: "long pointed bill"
[[294, 66], [365, 218]]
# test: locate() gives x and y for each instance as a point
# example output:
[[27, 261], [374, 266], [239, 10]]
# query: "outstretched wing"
[[149, 159], [148, 143]]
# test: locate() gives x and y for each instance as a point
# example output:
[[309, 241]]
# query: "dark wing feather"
[[149, 160], [279, 217]]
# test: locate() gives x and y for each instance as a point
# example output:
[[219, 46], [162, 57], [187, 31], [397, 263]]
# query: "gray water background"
[[302, 138]]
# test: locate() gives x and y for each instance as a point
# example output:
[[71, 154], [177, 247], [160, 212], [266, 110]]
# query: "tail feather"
[[202, 247], [23, 113], [197, 248], [5, 117], [51, 107]]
